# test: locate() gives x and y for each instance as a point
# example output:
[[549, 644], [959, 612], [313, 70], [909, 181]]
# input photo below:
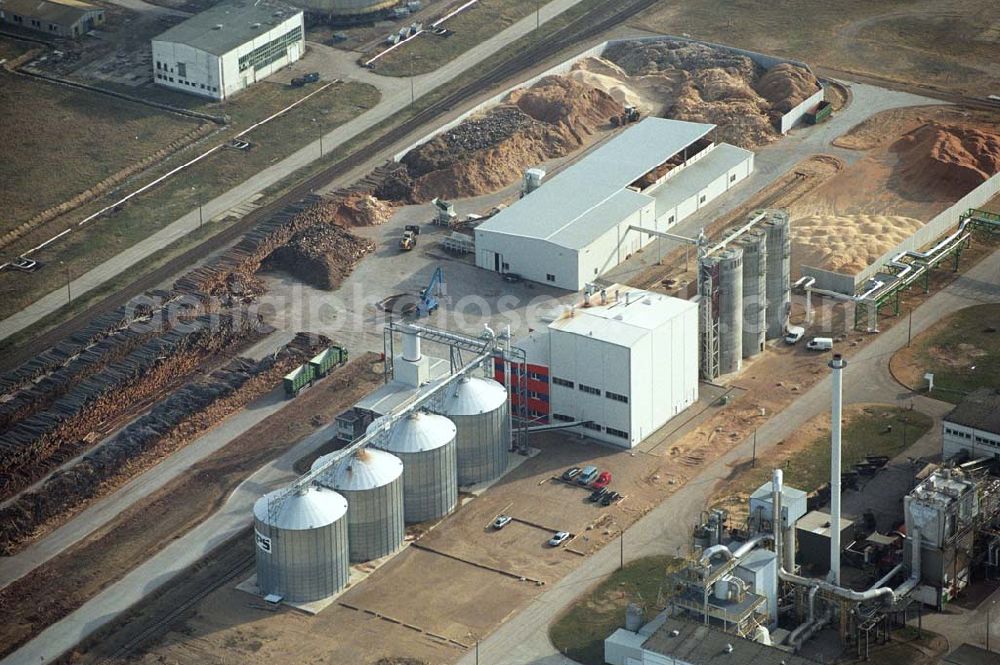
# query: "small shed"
[[813, 535]]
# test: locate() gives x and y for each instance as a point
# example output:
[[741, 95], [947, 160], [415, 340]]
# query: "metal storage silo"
[[372, 482], [722, 306], [779, 269], [425, 442], [302, 550], [481, 413], [754, 245]]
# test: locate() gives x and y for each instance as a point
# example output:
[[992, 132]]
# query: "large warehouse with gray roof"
[[576, 226]]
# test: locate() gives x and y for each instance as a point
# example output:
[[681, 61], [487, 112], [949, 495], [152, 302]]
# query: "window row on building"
[[969, 436], [591, 390], [621, 434], [274, 50]]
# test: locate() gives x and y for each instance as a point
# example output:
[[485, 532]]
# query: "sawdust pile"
[[322, 255], [847, 243], [484, 154], [649, 93], [716, 86], [946, 159], [359, 209]]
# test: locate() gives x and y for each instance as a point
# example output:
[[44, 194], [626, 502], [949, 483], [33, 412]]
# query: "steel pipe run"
[[815, 585]]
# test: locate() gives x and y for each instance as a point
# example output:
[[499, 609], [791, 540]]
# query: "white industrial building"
[[228, 48], [576, 226], [624, 362], [973, 427]]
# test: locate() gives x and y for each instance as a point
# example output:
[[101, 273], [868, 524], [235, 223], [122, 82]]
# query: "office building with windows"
[[228, 48], [973, 427], [622, 361]]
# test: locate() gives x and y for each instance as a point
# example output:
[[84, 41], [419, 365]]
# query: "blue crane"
[[429, 296]]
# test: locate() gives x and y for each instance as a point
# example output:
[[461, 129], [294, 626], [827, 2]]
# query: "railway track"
[[581, 28], [160, 624]]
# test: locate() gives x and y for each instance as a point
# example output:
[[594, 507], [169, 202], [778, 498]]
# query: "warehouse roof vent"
[[255, 26], [217, 26]]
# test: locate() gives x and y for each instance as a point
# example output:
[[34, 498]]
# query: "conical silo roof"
[[311, 508], [471, 396], [366, 469], [418, 432]]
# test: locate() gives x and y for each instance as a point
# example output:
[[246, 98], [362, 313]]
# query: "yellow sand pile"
[[846, 243], [649, 93]]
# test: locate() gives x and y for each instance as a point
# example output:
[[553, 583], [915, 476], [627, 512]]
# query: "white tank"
[[425, 443], [302, 549], [480, 411], [372, 482]]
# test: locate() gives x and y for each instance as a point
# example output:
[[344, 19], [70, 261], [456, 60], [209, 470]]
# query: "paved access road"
[[396, 94], [524, 639]]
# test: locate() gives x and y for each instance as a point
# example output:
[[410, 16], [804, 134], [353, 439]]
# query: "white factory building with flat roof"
[[228, 47], [576, 226], [624, 361]]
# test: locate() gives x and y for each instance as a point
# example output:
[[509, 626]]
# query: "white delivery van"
[[793, 334], [820, 344]]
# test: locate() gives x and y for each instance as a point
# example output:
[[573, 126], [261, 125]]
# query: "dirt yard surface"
[[962, 351], [805, 455], [428, 51], [945, 44], [917, 162], [700, 83], [59, 142], [163, 204], [580, 632], [54, 590]]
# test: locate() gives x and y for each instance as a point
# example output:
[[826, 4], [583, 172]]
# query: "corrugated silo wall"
[[375, 520], [302, 565], [730, 310], [754, 246], [483, 445], [779, 268], [430, 483]]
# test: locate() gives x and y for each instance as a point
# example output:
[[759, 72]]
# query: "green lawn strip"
[[580, 632], [962, 351], [865, 433], [161, 205], [428, 51], [60, 141]]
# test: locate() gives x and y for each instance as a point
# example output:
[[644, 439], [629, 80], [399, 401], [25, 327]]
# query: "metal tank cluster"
[[356, 510], [745, 293]]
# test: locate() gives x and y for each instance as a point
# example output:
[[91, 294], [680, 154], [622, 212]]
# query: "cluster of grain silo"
[[481, 413], [745, 295], [357, 507]]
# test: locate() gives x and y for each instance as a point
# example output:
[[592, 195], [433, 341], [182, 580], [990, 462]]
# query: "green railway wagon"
[[297, 379]]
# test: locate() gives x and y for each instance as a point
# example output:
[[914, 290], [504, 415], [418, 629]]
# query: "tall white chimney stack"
[[837, 365]]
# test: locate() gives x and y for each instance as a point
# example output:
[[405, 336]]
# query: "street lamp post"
[[988, 608], [69, 295]]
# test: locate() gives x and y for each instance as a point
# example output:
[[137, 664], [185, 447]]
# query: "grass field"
[[58, 142], [476, 24], [161, 205], [805, 455], [951, 44], [962, 351], [579, 633]]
